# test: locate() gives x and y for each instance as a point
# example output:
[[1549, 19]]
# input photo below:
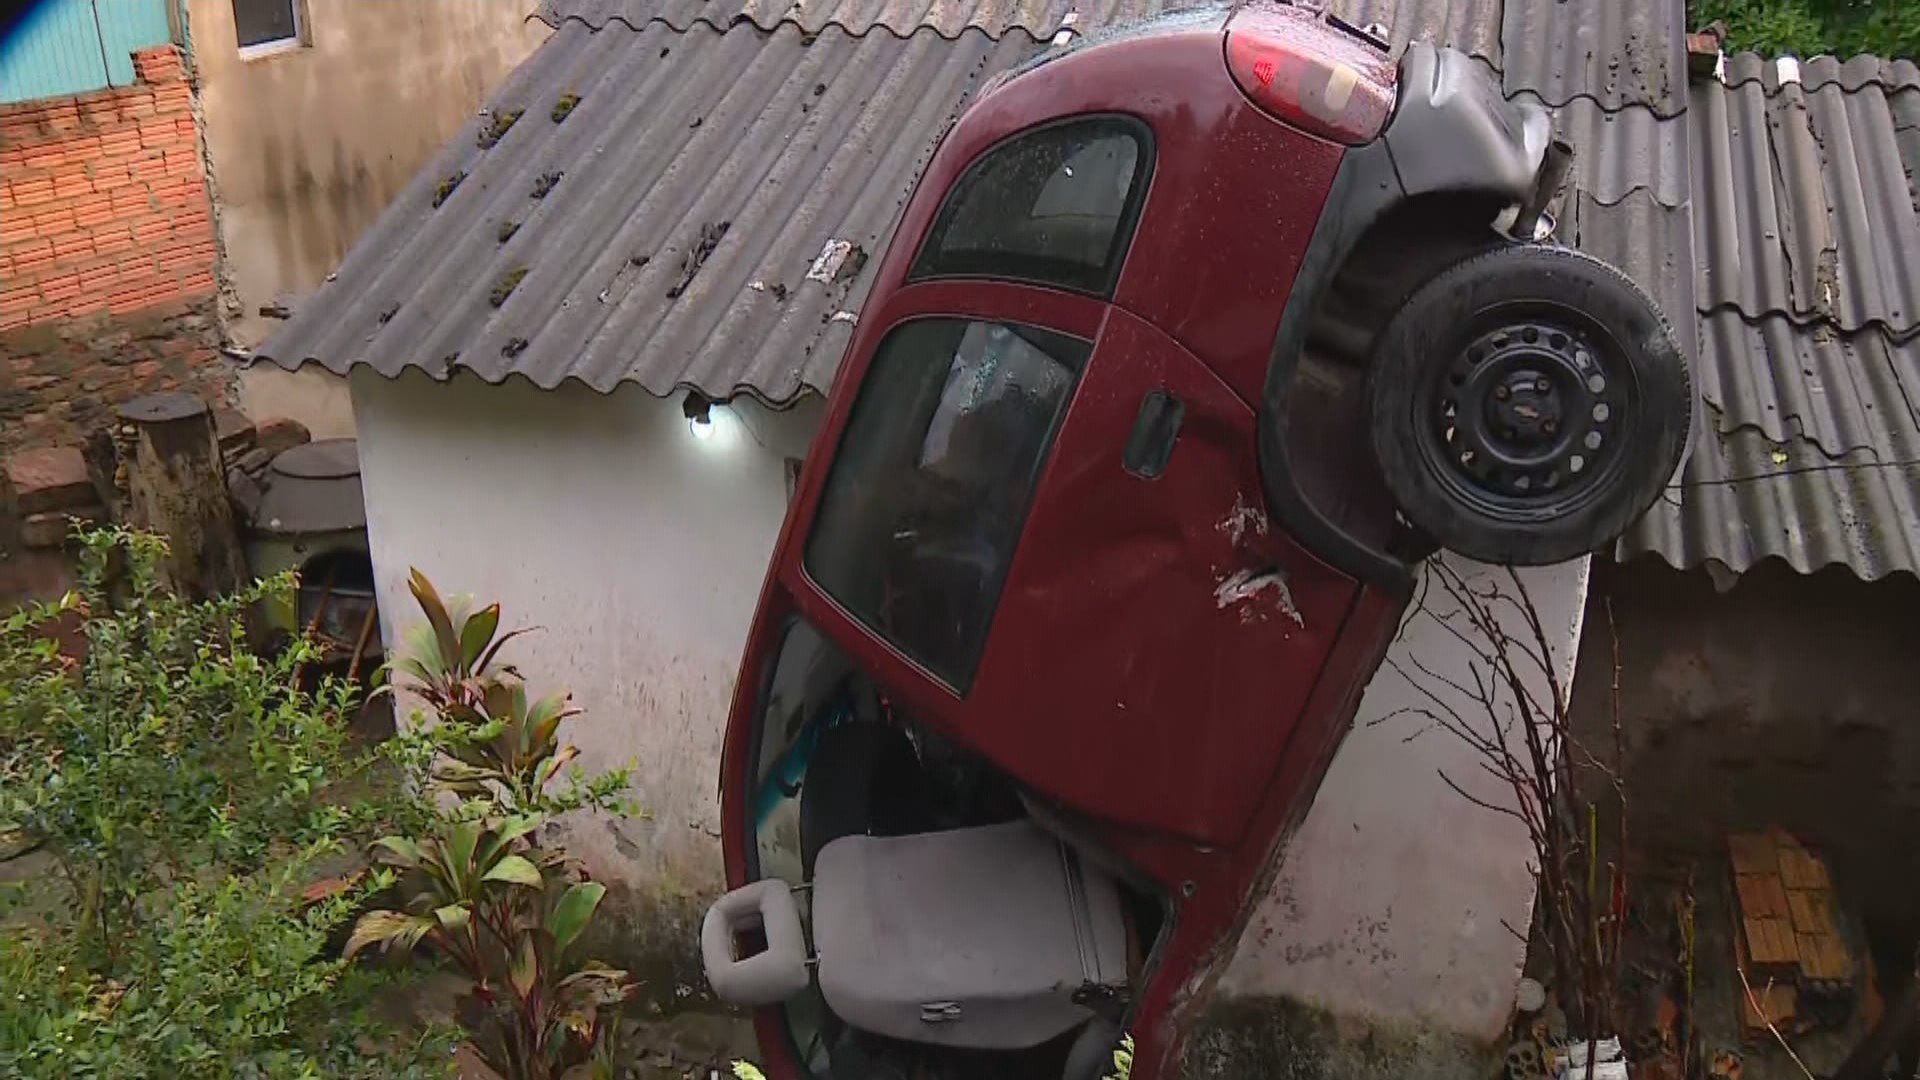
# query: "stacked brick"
[[107, 256], [1789, 938], [103, 203]]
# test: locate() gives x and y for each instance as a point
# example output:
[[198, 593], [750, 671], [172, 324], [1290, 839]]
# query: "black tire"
[[1528, 405]]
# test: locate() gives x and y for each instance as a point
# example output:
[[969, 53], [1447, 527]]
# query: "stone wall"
[[107, 255], [61, 380]]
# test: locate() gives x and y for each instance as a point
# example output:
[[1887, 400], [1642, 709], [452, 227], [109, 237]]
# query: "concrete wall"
[[640, 549], [1787, 701], [308, 146], [1391, 900]]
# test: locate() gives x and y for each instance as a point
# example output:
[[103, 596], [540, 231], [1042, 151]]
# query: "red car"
[[1191, 344]]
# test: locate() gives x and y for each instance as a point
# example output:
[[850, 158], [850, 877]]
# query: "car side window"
[[926, 498], [1053, 206]]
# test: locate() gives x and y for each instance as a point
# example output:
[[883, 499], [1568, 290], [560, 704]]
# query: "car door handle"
[[1155, 430]]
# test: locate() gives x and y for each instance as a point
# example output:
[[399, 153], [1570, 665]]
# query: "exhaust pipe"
[[1553, 172]]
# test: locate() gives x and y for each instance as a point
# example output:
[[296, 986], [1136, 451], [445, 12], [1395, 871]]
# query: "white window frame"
[[298, 40]]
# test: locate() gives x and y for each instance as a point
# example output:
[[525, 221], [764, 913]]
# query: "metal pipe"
[[1553, 172]]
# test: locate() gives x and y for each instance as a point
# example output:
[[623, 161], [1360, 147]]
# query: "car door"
[[1048, 512]]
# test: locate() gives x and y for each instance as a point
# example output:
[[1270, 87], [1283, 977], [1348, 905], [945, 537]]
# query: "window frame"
[[260, 50], [1126, 228], [957, 683]]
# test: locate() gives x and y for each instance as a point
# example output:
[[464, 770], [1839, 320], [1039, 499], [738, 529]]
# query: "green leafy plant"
[[484, 891], [185, 799], [1122, 1060], [1809, 28]]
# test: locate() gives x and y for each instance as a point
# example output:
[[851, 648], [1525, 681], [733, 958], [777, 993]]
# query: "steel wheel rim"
[[1531, 416]]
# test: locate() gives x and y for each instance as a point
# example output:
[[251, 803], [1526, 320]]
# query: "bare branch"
[[1747, 987]]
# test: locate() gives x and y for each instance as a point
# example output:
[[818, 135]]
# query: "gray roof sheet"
[[902, 18], [1807, 204], [1649, 241], [786, 141], [1618, 53], [1621, 151], [1853, 74], [1472, 26], [1808, 445]]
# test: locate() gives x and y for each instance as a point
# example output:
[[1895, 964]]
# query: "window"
[[1053, 207], [920, 516], [267, 26]]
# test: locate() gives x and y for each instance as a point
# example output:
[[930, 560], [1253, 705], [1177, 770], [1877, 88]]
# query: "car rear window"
[[930, 488], [1053, 206]]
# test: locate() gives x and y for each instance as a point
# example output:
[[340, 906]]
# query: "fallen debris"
[[696, 257]]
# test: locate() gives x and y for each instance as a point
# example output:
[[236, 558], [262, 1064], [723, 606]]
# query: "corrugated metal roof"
[[1855, 74], [1620, 151], [996, 18], [1743, 498], [1619, 53], [1839, 392], [773, 144], [1648, 241], [1808, 449], [1809, 213], [1472, 26]]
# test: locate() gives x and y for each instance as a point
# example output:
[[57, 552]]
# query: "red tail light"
[[1300, 70]]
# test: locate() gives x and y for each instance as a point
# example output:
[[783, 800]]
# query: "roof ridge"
[[1854, 74], [701, 22], [1813, 321]]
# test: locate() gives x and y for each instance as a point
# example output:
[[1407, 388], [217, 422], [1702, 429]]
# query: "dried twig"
[[1508, 704], [1747, 987]]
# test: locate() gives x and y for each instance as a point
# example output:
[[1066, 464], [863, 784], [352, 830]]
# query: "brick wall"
[[107, 255]]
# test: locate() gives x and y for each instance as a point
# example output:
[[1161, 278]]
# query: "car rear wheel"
[[1528, 404]]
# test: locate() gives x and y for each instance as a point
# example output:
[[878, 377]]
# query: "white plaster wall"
[[640, 549], [1393, 895]]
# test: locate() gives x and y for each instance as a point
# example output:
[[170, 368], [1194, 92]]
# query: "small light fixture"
[[698, 409]]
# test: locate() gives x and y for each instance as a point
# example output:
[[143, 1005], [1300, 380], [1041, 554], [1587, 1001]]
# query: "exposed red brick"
[[16, 229], [18, 297], [93, 211], [158, 65], [158, 133], [33, 257], [83, 305], [80, 149], [44, 156], [53, 220], [53, 289], [109, 240], [97, 279], [119, 143], [137, 103], [183, 163], [103, 202], [151, 228], [99, 112], [175, 97], [31, 191], [72, 245]]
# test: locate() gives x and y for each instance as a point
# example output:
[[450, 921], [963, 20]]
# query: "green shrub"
[[1809, 28], [185, 798], [482, 887]]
